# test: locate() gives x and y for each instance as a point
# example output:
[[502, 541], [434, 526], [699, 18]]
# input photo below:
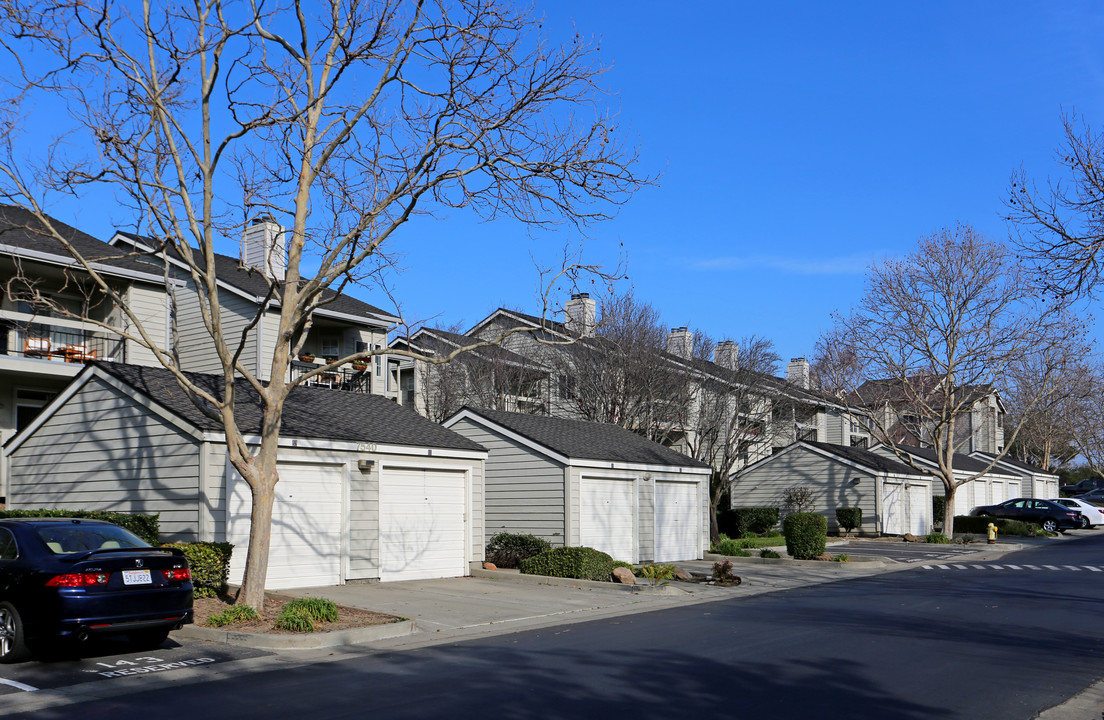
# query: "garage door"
[[894, 508], [422, 524], [606, 517], [996, 493], [307, 519], [964, 500], [919, 509], [678, 521]]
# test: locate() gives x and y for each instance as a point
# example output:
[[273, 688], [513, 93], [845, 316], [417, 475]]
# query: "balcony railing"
[[58, 340], [339, 379]]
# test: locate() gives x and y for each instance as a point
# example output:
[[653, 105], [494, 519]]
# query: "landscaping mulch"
[[348, 617]]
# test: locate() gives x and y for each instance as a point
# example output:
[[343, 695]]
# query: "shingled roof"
[[961, 462], [866, 458], [20, 229], [309, 412], [582, 440], [253, 282], [1013, 462]]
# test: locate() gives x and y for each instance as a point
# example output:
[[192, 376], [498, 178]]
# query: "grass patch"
[[232, 615]]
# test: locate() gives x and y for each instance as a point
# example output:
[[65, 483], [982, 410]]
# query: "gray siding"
[[196, 348], [524, 490], [102, 451], [829, 480]]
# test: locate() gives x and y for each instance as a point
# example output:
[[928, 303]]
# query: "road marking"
[[1032, 567], [1073, 567], [1052, 567], [978, 567], [960, 567], [1013, 567], [17, 685], [944, 567], [997, 567], [1094, 569]]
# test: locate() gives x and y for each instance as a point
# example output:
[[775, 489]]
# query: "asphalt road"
[[925, 642]]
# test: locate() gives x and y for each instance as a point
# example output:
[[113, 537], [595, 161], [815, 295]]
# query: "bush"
[[732, 548], [147, 527], [849, 518], [806, 535], [295, 619], [722, 571], [939, 509], [749, 535], [232, 615], [210, 564], [757, 520], [842, 557], [768, 553], [936, 538], [580, 563], [319, 609], [974, 524], [506, 550], [658, 574]]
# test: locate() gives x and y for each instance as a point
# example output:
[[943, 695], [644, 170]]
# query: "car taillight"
[[1072, 515], [78, 579], [177, 574]]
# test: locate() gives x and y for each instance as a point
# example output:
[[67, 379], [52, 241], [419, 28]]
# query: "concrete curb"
[[852, 563], [309, 641], [515, 577]]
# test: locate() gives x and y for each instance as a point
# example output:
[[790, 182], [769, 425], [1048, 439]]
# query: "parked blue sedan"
[[63, 578]]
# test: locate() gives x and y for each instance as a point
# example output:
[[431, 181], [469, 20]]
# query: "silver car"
[[1091, 514]]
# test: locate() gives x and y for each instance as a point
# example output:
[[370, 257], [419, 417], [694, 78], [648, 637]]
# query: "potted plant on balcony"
[[307, 357], [360, 365]]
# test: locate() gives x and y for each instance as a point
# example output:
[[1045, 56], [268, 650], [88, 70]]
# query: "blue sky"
[[796, 142]]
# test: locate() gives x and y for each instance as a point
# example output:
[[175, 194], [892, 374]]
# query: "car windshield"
[[65, 539]]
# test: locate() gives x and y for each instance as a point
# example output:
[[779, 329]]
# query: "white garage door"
[[307, 519], [1014, 489], [423, 521], [606, 517], [996, 492], [678, 521], [920, 509], [894, 508]]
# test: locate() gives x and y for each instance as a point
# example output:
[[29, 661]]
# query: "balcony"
[[339, 379], [57, 339]]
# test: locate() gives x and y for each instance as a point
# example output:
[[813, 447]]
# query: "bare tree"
[[1061, 227], [736, 397], [344, 120], [935, 331]]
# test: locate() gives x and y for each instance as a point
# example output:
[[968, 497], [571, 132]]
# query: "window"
[[807, 434], [409, 392], [8, 550], [859, 441], [28, 403], [330, 346]]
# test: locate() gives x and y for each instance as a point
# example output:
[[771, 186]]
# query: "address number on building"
[[366, 447]]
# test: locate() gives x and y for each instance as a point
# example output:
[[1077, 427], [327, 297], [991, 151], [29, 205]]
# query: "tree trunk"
[[948, 511], [260, 540]]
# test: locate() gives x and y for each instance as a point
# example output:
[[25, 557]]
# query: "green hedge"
[[506, 550], [806, 535], [849, 518], [939, 509], [752, 519], [732, 548], [980, 525], [147, 527], [580, 563], [210, 564]]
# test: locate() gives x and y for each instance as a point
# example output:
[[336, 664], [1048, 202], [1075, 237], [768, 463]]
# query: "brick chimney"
[[680, 341], [797, 372], [263, 248], [726, 354], [580, 314]]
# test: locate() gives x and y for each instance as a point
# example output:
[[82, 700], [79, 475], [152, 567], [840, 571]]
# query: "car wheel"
[[148, 639], [1050, 525], [1084, 523], [13, 645]]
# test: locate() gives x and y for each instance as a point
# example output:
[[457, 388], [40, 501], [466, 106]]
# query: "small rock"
[[683, 575], [909, 537], [624, 576], [825, 556], [490, 566]]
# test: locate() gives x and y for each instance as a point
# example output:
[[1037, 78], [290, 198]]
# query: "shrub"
[[749, 535], [768, 553], [937, 538], [842, 557], [722, 571], [622, 563], [798, 499], [319, 609], [732, 548], [806, 535], [147, 527], [774, 534], [295, 619], [581, 563], [980, 525], [849, 518], [939, 509], [232, 615], [757, 520], [506, 550], [658, 573], [210, 564]]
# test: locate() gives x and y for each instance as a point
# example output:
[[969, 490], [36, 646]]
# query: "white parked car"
[[1091, 515]]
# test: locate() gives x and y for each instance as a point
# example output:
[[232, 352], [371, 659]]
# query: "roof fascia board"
[[347, 446], [101, 268]]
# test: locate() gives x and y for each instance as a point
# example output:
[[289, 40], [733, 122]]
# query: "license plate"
[[137, 577]]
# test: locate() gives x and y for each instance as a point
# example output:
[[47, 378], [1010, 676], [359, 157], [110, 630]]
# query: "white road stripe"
[[961, 567], [1094, 569], [944, 567], [1073, 567], [1013, 567], [979, 567], [997, 567], [17, 685], [1032, 567], [927, 567], [1052, 567]]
